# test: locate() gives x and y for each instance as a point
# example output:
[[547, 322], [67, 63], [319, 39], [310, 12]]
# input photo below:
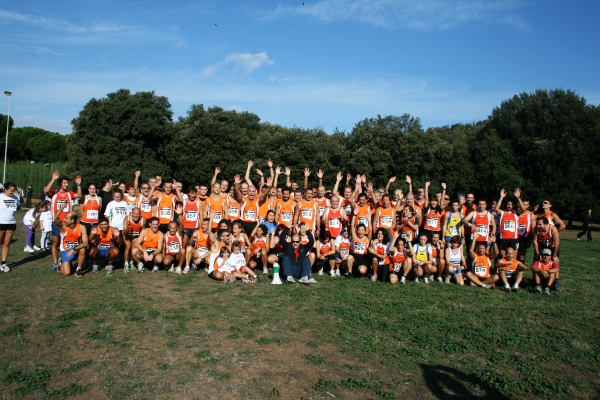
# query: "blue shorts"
[[63, 255], [55, 229]]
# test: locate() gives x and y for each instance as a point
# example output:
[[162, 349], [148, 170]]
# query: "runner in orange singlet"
[[147, 248], [132, 227]]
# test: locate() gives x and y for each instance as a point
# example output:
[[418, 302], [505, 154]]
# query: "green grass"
[[133, 336]]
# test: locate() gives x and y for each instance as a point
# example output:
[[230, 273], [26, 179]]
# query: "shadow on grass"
[[449, 383], [31, 258]]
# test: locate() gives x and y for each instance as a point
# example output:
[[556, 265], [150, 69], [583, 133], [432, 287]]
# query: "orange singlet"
[[332, 222], [191, 214], [216, 206], [134, 228], [250, 210], [90, 211], [263, 210], [308, 213], [145, 206], [482, 266], [71, 238], [150, 243], [286, 213], [363, 216], [361, 246], [166, 207], [173, 244], [323, 204], [386, 219], [234, 209], [104, 241]]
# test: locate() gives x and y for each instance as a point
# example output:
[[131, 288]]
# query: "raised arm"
[[409, 181], [262, 179], [264, 192], [518, 196], [338, 179], [247, 177], [277, 173], [178, 195], [306, 175], [427, 194], [499, 203], [288, 181], [270, 165], [136, 181], [79, 193], [390, 181], [55, 176], [239, 197], [320, 175], [214, 178]]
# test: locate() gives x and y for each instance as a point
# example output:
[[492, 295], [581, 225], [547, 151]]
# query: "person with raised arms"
[[409, 224], [132, 192], [525, 224], [216, 207], [467, 206], [284, 213], [510, 270], [308, 209], [145, 202], [147, 248], [360, 249], [165, 204], [73, 241], [224, 184], [9, 204], [482, 221], [191, 214], [105, 241], [400, 260], [250, 203], [58, 197], [481, 269], [322, 201], [90, 208], [132, 227], [508, 222], [385, 216], [197, 252]]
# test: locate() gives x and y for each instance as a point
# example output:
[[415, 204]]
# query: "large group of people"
[[234, 229]]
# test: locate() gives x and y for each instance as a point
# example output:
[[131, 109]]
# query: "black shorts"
[[189, 232], [359, 260], [504, 244], [164, 228], [257, 260], [522, 250], [8, 227]]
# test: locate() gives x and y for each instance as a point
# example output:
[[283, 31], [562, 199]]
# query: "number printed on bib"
[[407, 236], [509, 226], [191, 215], [250, 215], [216, 217], [103, 247], [307, 213], [359, 247], [59, 204], [174, 247], [233, 211], [432, 222], [334, 223], [386, 221], [10, 205], [321, 211], [454, 230], [92, 214], [397, 267], [480, 270], [71, 245], [165, 212], [202, 250], [146, 206], [363, 220], [121, 210], [482, 230], [286, 216]]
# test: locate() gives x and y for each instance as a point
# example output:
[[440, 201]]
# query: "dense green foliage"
[[29, 143], [543, 142]]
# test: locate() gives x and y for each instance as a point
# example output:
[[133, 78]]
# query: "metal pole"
[[6, 142]]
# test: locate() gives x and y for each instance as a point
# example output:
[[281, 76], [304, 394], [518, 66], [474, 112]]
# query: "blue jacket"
[[288, 249]]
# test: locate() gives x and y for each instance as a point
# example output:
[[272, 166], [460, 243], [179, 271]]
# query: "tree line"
[[544, 142], [32, 144]]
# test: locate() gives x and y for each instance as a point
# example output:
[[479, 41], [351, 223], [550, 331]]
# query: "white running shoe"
[[28, 249], [265, 270], [172, 269], [373, 278], [332, 273], [304, 279], [36, 248], [403, 280], [178, 270], [186, 270], [290, 279], [109, 269], [4, 268], [538, 288], [417, 279], [155, 269], [95, 269], [140, 267], [439, 279], [425, 280], [487, 286], [447, 281], [337, 272], [321, 272], [312, 280]]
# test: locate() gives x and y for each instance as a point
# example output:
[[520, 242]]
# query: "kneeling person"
[[544, 271], [173, 249], [148, 246], [105, 241], [510, 270], [73, 242], [481, 274]]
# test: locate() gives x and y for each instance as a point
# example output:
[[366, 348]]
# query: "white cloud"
[[245, 61], [424, 15], [62, 25]]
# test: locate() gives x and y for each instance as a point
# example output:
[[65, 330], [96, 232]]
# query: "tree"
[[119, 134]]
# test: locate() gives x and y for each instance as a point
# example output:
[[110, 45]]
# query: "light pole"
[[6, 142]]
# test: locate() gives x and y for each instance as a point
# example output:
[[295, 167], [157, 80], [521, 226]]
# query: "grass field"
[[159, 336]]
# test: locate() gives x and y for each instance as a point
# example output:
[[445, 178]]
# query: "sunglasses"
[[295, 241], [545, 202]]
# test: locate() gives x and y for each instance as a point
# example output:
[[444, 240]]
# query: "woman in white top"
[[9, 204], [31, 221], [455, 261]]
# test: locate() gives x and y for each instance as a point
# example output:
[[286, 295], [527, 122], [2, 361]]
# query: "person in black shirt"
[[105, 194], [587, 226]]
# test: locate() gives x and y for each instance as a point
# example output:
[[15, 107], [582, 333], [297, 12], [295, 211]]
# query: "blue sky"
[[327, 63]]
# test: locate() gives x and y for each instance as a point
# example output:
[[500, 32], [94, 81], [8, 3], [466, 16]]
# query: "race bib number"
[[344, 252], [216, 217], [348, 209], [71, 245], [407, 236], [509, 226], [480, 270], [397, 267], [321, 211], [286, 216], [145, 206], [482, 230], [432, 222], [386, 221], [174, 247], [359, 247], [121, 211], [130, 206], [10, 205], [191, 215], [233, 211], [92, 214], [59, 204], [363, 220], [250, 215], [454, 230], [334, 223], [202, 250], [522, 229], [103, 246], [307, 213], [165, 212]]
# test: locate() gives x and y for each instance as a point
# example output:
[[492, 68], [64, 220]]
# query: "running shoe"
[[321, 272], [37, 248], [403, 280], [373, 278], [155, 269], [337, 272], [425, 280], [177, 270], [332, 273], [304, 280], [538, 288], [487, 286], [547, 291], [95, 269], [78, 273], [265, 270], [126, 268], [186, 270], [109, 269], [289, 280], [172, 269]]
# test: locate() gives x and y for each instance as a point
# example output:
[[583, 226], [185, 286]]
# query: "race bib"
[[10, 205], [286, 216], [359, 247], [482, 230], [191, 215], [121, 211], [307, 213], [233, 211], [165, 212], [363, 220], [321, 210], [344, 252], [59, 204], [71, 245], [134, 234], [386, 221], [480, 270], [103, 246], [334, 223], [432, 222], [522, 229], [407, 236], [454, 230], [91, 214], [174, 247], [145, 206], [216, 217], [202, 250], [348, 209], [250, 215], [397, 267], [509, 226], [130, 206]]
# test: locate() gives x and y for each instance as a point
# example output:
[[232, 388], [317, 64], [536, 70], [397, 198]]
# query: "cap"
[[546, 252]]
